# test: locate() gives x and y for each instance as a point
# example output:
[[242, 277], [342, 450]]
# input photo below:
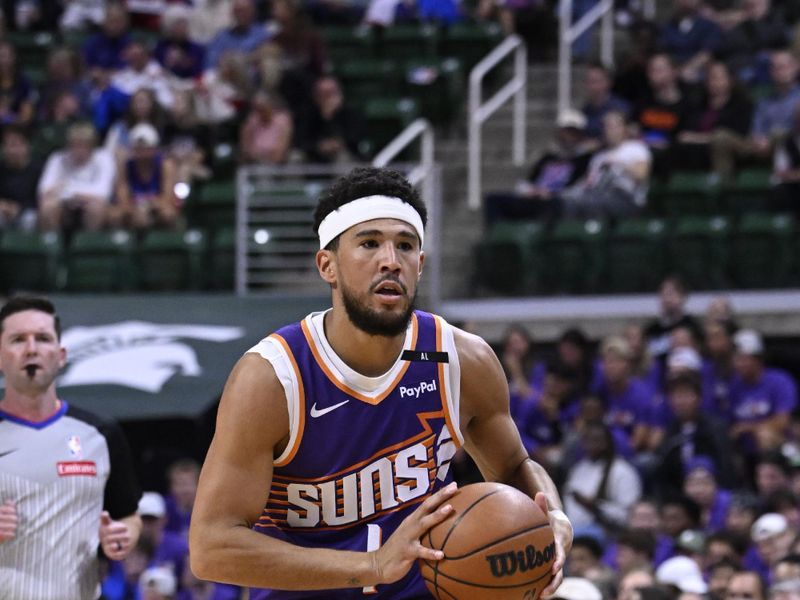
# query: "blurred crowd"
[[713, 88], [676, 448]]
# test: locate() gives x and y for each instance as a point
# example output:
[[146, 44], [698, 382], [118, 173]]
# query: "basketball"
[[497, 544]]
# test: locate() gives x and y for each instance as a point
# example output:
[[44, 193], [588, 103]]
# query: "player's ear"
[[421, 264], [62, 359], [326, 265]]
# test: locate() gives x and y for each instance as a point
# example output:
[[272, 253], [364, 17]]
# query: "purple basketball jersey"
[[359, 464]]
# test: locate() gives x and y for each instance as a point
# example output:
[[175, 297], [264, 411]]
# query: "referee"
[[66, 477]]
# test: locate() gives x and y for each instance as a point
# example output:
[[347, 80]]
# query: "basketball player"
[[66, 477], [334, 436]]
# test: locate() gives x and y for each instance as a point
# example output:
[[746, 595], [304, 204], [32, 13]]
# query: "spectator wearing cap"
[[701, 486], [773, 537], [683, 573], [746, 585], [77, 183], [158, 583], [175, 52], [600, 488], [577, 588], [617, 178], [563, 164], [245, 35], [600, 100], [170, 549], [693, 432], [762, 398], [683, 360], [629, 402], [145, 188]]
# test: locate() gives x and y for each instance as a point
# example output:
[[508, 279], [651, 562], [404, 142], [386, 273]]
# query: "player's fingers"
[[433, 519], [105, 518], [553, 585], [541, 500], [429, 553], [435, 500]]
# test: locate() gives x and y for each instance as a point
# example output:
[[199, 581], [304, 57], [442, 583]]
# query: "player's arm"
[[491, 438], [252, 426]]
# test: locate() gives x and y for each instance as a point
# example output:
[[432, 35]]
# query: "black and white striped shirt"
[[61, 473]]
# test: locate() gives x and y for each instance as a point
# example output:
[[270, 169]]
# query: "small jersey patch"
[[78, 467], [425, 356]]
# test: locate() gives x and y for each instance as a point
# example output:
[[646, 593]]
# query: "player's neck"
[[31, 407], [369, 355]]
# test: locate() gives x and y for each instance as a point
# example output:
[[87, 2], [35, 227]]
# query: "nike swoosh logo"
[[2, 454], [324, 411]]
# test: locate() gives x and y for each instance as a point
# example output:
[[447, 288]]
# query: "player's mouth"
[[389, 291], [31, 370]]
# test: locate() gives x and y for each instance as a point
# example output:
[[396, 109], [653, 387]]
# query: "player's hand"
[[562, 531], [8, 521], [115, 537], [394, 559]]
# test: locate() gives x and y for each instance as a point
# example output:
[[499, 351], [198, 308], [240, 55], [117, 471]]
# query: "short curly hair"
[[367, 181]]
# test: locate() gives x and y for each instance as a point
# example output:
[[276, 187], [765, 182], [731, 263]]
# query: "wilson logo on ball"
[[508, 563]]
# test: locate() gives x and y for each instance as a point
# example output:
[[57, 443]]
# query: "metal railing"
[[569, 32], [479, 111]]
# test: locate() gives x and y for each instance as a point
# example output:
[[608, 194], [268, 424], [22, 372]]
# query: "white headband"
[[367, 209]]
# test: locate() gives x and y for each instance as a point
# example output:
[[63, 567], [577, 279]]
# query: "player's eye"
[[369, 244]]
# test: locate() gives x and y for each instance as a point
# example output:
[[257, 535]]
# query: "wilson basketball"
[[497, 544]]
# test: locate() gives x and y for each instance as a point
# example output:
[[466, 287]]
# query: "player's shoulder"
[[472, 349]]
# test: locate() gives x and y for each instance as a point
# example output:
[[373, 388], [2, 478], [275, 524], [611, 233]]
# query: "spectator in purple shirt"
[[170, 549], [701, 486], [629, 402], [245, 36], [175, 51], [718, 374], [182, 475], [689, 38], [762, 398], [105, 49]]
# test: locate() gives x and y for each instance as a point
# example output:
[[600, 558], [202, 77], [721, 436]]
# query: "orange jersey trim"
[[301, 408], [344, 387]]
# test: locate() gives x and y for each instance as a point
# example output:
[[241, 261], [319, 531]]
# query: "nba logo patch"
[[74, 445]]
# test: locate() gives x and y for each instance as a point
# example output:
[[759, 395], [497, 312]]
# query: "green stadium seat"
[[30, 261], [172, 260], [761, 253], [222, 262], [348, 43], [387, 117], [100, 261], [400, 42], [366, 78], [214, 204], [32, 49], [698, 251], [438, 87], [690, 193], [748, 192], [508, 259], [575, 256], [470, 42], [636, 255]]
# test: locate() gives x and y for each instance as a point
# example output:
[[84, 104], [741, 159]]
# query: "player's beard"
[[371, 321]]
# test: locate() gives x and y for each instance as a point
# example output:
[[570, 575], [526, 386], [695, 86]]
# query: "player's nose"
[[389, 257]]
